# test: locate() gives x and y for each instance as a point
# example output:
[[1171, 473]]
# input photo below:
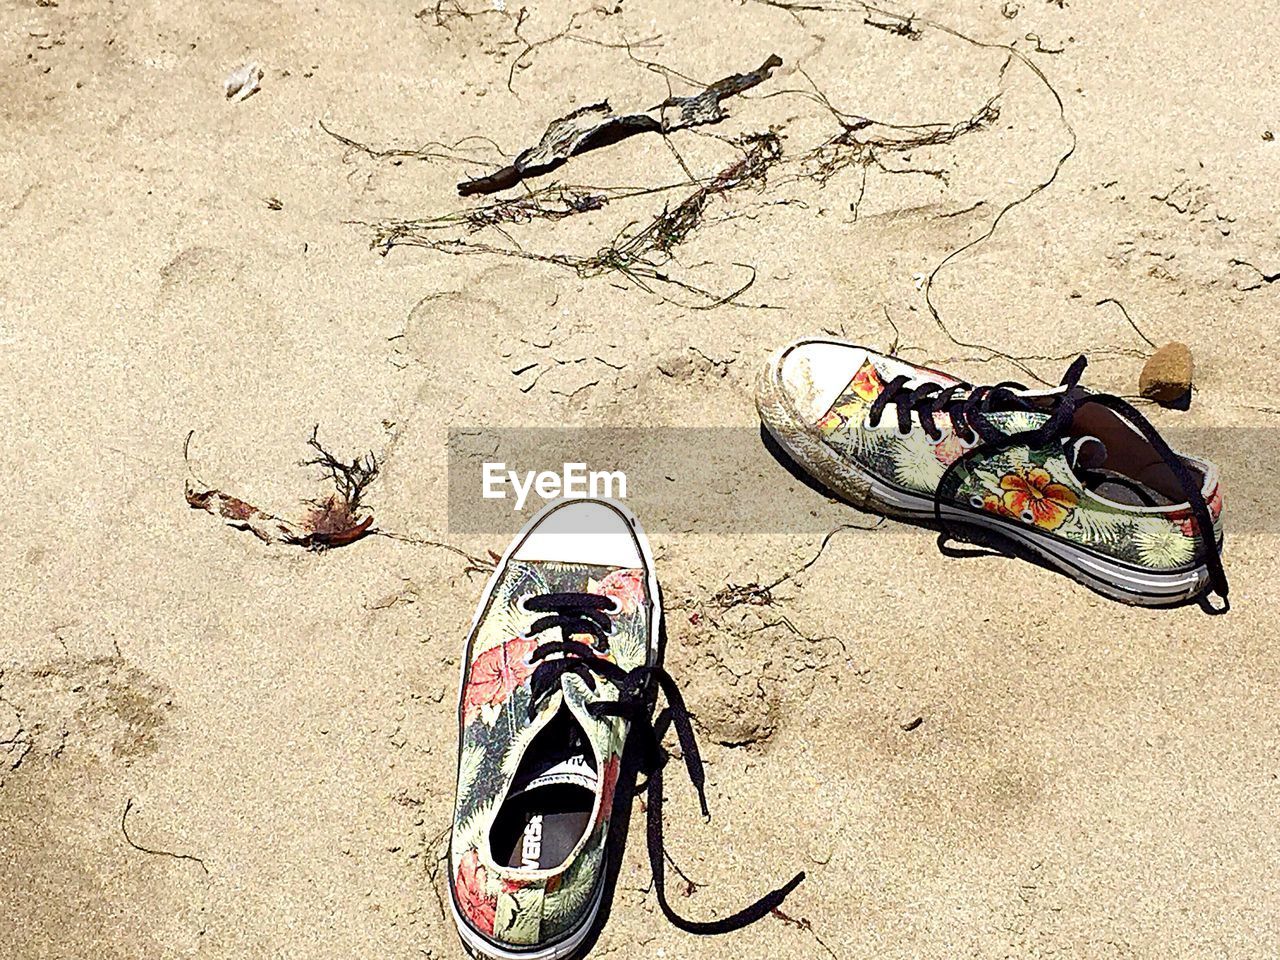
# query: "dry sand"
[[1089, 779]]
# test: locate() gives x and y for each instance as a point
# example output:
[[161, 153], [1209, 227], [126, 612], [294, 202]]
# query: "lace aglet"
[[1215, 609]]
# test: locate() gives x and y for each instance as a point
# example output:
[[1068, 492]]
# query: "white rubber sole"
[[475, 943], [1111, 578]]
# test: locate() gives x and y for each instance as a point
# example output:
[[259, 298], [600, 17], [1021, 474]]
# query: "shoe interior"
[[1118, 462], [548, 808]]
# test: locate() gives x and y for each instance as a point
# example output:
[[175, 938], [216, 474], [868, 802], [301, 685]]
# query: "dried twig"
[[597, 125]]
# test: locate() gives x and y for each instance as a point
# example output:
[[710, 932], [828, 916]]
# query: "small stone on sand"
[[1166, 376]]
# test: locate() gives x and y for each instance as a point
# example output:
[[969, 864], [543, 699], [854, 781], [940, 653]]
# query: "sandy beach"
[[215, 746]]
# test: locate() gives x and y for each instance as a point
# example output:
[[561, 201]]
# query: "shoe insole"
[[549, 804], [538, 828], [1121, 489]]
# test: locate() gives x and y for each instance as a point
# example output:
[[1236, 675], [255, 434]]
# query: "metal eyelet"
[[1027, 516], [612, 612], [890, 427], [975, 501], [520, 603]]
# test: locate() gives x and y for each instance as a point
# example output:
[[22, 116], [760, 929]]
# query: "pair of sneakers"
[[563, 662]]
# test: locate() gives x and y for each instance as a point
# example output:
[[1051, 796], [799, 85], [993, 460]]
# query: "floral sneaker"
[[1080, 478], [560, 667]]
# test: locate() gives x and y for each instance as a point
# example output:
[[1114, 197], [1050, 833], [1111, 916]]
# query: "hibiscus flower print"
[[993, 504], [1184, 520], [624, 587], [608, 784], [847, 409], [514, 885], [1031, 494], [474, 901], [866, 382], [495, 674], [851, 405], [949, 449]]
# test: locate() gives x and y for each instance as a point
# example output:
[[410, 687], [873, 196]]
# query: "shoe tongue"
[[566, 762], [575, 771]]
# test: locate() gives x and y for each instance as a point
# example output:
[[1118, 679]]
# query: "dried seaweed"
[[430, 151], [554, 202], [803, 923], [532, 45], [1128, 319], [526, 209], [1013, 55], [752, 594], [124, 829], [897, 23], [442, 16], [673, 226], [333, 521], [860, 142], [596, 125], [756, 594], [474, 564], [864, 142], [640, 256]]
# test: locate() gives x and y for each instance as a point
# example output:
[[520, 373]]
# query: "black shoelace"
[[591, 614], [967, 406]]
